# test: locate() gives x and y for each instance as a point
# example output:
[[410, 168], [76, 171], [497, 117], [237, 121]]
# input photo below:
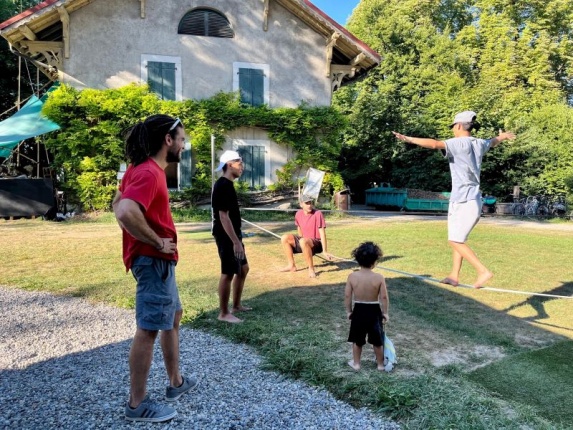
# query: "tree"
[[505, 59]]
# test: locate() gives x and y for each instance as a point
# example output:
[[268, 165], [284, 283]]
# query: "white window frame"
[[145, 58], [258, 66], [237, 143]]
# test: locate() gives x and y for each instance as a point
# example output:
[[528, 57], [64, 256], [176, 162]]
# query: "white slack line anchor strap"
[[424, 278]]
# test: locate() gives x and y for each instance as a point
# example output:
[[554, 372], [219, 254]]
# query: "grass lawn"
[[463, 354], [544, 376]]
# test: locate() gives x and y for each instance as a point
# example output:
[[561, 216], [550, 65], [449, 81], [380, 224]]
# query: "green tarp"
[[26, 123]]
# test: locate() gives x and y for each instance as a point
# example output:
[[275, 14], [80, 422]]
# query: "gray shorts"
[[156, 298], [462, 218]]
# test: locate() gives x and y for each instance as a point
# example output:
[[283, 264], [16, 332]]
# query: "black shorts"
[[229, 263], [366, 320], [316, 246]]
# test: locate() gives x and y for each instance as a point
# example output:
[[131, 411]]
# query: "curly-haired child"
[[370, 304]]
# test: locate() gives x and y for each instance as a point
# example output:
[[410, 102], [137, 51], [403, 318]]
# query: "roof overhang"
[[347, 57], [21, 32], [348, 44]]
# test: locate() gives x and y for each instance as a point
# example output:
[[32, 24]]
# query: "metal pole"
[[212, 160], [18, 100], [37, 159]]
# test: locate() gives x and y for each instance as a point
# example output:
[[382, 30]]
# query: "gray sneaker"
[[149, 411], [173, 393]]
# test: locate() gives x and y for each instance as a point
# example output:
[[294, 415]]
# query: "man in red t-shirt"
[[311, 237], [142, 210]]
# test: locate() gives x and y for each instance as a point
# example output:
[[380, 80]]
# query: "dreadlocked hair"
[[145, 139], [367, 254]]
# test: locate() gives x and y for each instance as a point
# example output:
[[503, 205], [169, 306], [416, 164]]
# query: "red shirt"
[[146, 184], [309, 224]]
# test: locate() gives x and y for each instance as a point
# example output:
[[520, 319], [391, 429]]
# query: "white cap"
[[226, 157], [467, 116]]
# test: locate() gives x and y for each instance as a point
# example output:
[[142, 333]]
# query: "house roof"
[[348, 49], [26, 13], [331, 25]]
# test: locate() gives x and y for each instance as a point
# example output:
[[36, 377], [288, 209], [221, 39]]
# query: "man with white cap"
[[228, 236], [464, 153]]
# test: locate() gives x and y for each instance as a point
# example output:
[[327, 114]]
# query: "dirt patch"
[[472, 357], [529, 341]]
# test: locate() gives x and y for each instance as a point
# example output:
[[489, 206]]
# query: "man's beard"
[[173, 157]]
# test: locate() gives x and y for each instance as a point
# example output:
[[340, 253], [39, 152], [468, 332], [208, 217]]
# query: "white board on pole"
[[313, 183]]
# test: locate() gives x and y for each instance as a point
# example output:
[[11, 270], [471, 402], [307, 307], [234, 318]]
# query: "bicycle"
[[517, 208], [535, 207], [558, 206]]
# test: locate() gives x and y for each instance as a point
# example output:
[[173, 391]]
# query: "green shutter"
[[252, 86], [185, 169], [258, 83], [253, 165], [161, 79], [246, 154], [245, 86]]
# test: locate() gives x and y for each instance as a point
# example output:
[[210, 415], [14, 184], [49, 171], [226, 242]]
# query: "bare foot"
[[311, 273], [482, 279], [288, 269], [380, 367], [242, 309], [230, 318], [354, 366], [449, 281]]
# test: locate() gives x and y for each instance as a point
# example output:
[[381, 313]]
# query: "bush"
[[89, 149]]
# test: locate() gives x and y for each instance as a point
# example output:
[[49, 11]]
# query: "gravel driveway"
[[63, 364]]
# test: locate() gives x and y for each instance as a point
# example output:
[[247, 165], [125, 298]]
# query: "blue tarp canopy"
[[26, 123]]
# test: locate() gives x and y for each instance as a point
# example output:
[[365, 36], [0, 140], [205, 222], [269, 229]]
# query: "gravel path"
[[63, 364]]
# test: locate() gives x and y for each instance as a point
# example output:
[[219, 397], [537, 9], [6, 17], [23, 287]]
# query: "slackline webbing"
[[425, 278]]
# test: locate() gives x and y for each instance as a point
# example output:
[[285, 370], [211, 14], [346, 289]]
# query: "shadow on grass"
[[538, 302], [301, 331]]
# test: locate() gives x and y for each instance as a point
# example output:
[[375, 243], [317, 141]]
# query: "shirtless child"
[[370, 305]]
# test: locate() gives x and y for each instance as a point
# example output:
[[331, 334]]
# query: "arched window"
[[206, 22]]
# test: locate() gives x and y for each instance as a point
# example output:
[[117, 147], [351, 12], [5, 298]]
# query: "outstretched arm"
[[424, 143], [503, 135]]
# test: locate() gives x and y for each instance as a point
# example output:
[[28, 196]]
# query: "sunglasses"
[[175, 124]]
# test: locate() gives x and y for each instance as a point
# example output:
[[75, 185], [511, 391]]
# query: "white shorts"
[[462, 218]]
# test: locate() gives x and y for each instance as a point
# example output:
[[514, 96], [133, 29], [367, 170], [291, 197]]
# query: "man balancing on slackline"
[[464, 153]]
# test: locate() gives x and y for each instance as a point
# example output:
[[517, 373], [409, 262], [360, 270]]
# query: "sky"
[[339, 10]]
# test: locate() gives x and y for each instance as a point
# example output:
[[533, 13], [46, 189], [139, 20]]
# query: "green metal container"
[[426, 205], [386, 196]]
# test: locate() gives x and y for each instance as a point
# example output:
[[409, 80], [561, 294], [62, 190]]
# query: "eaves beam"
[[65, 18], [329, 48], [25, 30], [266, 15]]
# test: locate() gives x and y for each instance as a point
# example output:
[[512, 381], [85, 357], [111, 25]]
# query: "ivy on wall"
[[88, 149]]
